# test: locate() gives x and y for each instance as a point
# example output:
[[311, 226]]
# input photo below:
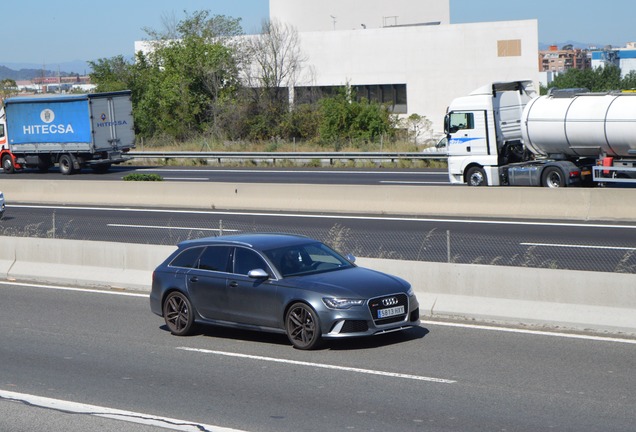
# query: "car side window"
[[215, 258], [188, 258], [246, 260]]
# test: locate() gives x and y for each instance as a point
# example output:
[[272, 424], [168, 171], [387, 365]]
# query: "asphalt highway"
[[547, 244], [255, 175], [70, 355]]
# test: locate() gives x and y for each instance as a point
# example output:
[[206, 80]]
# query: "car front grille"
[[388, 303]]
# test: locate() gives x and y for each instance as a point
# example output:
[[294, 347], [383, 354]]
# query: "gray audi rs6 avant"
[[278, 283]]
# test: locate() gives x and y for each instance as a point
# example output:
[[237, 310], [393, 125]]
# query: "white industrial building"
[[405, 52], [623, 58]]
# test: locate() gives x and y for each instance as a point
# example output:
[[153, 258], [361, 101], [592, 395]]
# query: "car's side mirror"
[[258, 274], [350, 258]]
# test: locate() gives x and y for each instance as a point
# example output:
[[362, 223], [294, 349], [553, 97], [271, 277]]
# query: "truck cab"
[[484, 131], [5, 155]]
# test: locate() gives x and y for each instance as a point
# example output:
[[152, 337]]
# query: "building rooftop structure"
[[326, 15]]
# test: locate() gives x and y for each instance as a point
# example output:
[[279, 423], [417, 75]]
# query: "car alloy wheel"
[[303, 327], [178, 313]]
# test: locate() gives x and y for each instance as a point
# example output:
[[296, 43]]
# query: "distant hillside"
[[29, 74], [28, 71]]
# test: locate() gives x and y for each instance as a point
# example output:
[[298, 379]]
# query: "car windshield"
[[306, 259]]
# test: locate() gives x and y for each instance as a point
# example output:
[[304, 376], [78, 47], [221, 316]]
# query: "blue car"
[[278, 283]]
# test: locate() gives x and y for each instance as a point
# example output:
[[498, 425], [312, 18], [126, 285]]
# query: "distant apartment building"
[[561, 60]]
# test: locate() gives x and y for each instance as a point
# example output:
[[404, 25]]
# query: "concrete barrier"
[[570, 299], [532, 203], [80, 262]]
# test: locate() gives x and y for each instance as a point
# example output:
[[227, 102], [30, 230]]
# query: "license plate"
[[586, 173], [385, 313]]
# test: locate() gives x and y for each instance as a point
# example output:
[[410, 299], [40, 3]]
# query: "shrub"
[[142, 177]]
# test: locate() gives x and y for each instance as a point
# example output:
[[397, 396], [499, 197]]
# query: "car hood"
[[352, 282]]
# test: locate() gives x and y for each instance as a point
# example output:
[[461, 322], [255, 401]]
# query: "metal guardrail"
[[392, 156]]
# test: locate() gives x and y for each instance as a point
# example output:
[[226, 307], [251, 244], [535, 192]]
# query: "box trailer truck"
[[505, 134], [72, 131]]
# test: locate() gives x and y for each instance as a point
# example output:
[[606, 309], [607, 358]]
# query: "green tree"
[[8, 88], [343, 118], [597, 80], [180, 86], [416, 125], [112, 74], [629, 81], [191, 75]]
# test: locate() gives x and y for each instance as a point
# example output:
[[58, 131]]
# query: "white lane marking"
[[572, 246], [406, 182], [532, 332], [332, 216], [170, 227], [68, 407], [66, 288], [416, 173], [439, 323], [320, 365], [187, 178]]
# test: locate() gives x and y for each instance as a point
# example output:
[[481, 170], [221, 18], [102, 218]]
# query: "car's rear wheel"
[[178, 313], [303, 326]]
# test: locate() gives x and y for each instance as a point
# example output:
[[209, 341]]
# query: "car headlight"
[[341, 303], [410, 292]]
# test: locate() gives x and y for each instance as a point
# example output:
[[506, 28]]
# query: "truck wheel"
[[66, 165], [476, 176], [7, 164], [552, 177]]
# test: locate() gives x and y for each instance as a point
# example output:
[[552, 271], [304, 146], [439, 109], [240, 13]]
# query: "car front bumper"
[[363, 320]]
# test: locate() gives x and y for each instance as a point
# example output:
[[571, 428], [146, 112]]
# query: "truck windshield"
[[461, 120]]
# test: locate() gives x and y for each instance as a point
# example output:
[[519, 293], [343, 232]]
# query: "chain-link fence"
[[371, 239]]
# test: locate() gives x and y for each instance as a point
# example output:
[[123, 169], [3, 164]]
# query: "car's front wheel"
[[178, 313], [303, 326]]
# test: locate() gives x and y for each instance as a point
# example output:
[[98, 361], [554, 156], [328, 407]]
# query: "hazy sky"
[[49, 33]]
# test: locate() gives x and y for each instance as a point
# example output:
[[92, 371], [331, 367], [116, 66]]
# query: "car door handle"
[[233, 284], [194, 279]]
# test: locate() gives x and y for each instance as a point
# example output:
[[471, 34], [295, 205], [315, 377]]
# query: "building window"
[[509, 48], [391, 95]]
